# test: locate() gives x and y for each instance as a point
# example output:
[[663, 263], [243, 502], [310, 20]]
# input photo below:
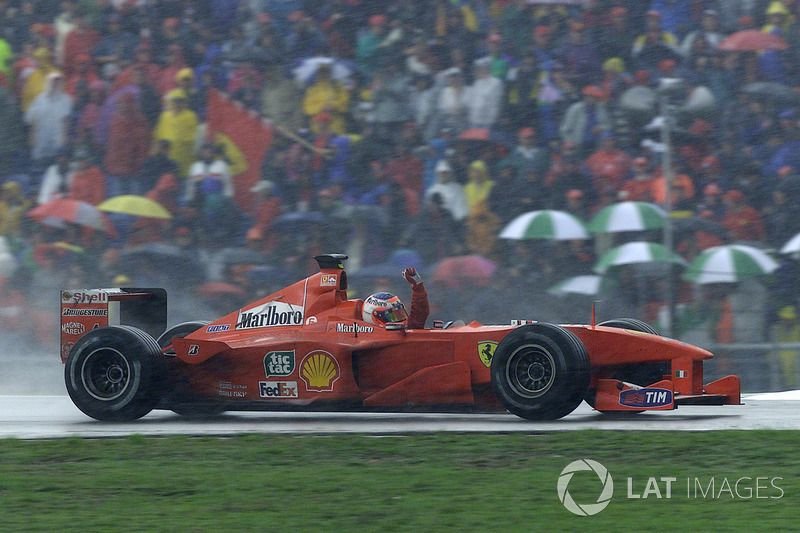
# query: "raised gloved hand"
[[412, 276]]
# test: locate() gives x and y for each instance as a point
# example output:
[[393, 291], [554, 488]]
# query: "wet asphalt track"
[[55, 416]]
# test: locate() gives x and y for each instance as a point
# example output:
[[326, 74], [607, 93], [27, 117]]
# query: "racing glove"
[[412, 276]]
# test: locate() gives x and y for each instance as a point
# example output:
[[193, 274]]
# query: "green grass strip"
[[464, 482]]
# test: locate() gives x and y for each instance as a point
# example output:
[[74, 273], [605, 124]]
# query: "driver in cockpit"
[[383, 307]]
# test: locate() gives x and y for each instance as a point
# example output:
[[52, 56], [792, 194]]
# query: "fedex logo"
[[277, 389], [646, 397]]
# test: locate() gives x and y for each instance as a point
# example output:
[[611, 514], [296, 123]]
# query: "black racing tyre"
[[639, 374], [540, 372], [178, 331], [115, 373], [630, 323]]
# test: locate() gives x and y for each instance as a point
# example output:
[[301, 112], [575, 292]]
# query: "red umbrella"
[[56, 212], [462, 270], [475, 134], [752, 41]]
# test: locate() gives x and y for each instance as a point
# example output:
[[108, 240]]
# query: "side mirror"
[[395, 326]]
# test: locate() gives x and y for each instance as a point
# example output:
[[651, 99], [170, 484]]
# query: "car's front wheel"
[[540, 372], [639, 373]]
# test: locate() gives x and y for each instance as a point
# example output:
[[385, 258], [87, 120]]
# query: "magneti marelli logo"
[[585, 509]]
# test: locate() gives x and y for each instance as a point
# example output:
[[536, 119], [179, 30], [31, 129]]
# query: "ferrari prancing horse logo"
[[486, 352]]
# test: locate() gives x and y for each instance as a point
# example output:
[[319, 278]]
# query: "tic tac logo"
[[277, 389], [646, 397], [486, 352], [319, 371], [270, 314], [279, 363], [586, 509]]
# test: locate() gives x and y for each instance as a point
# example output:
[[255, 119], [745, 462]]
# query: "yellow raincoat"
[[180, 129], [35, 82], [482, 223], [330, 96]]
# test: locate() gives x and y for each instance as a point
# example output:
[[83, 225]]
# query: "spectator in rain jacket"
[[47, 116], [88, 182], [449, 191], [484, 97], [36, 82], [178, 125], [128, 144], [585, 120], [742, 221], [482, 223], [326, 94]]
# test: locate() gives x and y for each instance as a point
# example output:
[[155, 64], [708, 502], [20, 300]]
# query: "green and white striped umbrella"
[[636, 252], [729, 263], [545, 224], [587, 285], [628, 216], [792, 246]]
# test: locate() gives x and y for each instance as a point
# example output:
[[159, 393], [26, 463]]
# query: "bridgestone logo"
[[85, 312], [269, 315]]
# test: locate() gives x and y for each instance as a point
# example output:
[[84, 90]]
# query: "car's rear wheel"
[[540, 372], [179, 331], [115, 373], [639, 374]]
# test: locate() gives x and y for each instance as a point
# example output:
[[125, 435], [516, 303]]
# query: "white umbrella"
[[628, 216], [637, 252], [587, 285], [8, 264], [792, 245], [303, 73], [545, 224], [729, 263]]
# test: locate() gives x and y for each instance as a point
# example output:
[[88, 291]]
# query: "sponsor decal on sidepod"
[[279, 363], [269, 315], [319, 371], [277, 389]]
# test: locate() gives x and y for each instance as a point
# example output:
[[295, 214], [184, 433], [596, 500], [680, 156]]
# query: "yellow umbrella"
[[131, 204]]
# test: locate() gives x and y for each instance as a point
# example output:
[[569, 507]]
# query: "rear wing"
[[83, 310]]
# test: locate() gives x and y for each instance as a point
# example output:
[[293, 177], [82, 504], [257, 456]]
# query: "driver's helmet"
[[382, 308]]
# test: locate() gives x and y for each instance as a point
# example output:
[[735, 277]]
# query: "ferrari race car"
[[306, 347]]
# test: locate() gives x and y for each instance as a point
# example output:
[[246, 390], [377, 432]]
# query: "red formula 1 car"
[[305, 347]]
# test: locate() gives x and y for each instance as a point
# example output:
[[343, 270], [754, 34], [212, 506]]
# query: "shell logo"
[[319, 370]]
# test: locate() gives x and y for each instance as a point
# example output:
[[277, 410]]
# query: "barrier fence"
[[767, 366]]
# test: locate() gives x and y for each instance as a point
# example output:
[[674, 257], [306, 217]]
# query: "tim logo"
[[646, 397]]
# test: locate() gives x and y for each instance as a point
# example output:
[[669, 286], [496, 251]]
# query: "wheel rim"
[[531, 371], [105, 374]]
